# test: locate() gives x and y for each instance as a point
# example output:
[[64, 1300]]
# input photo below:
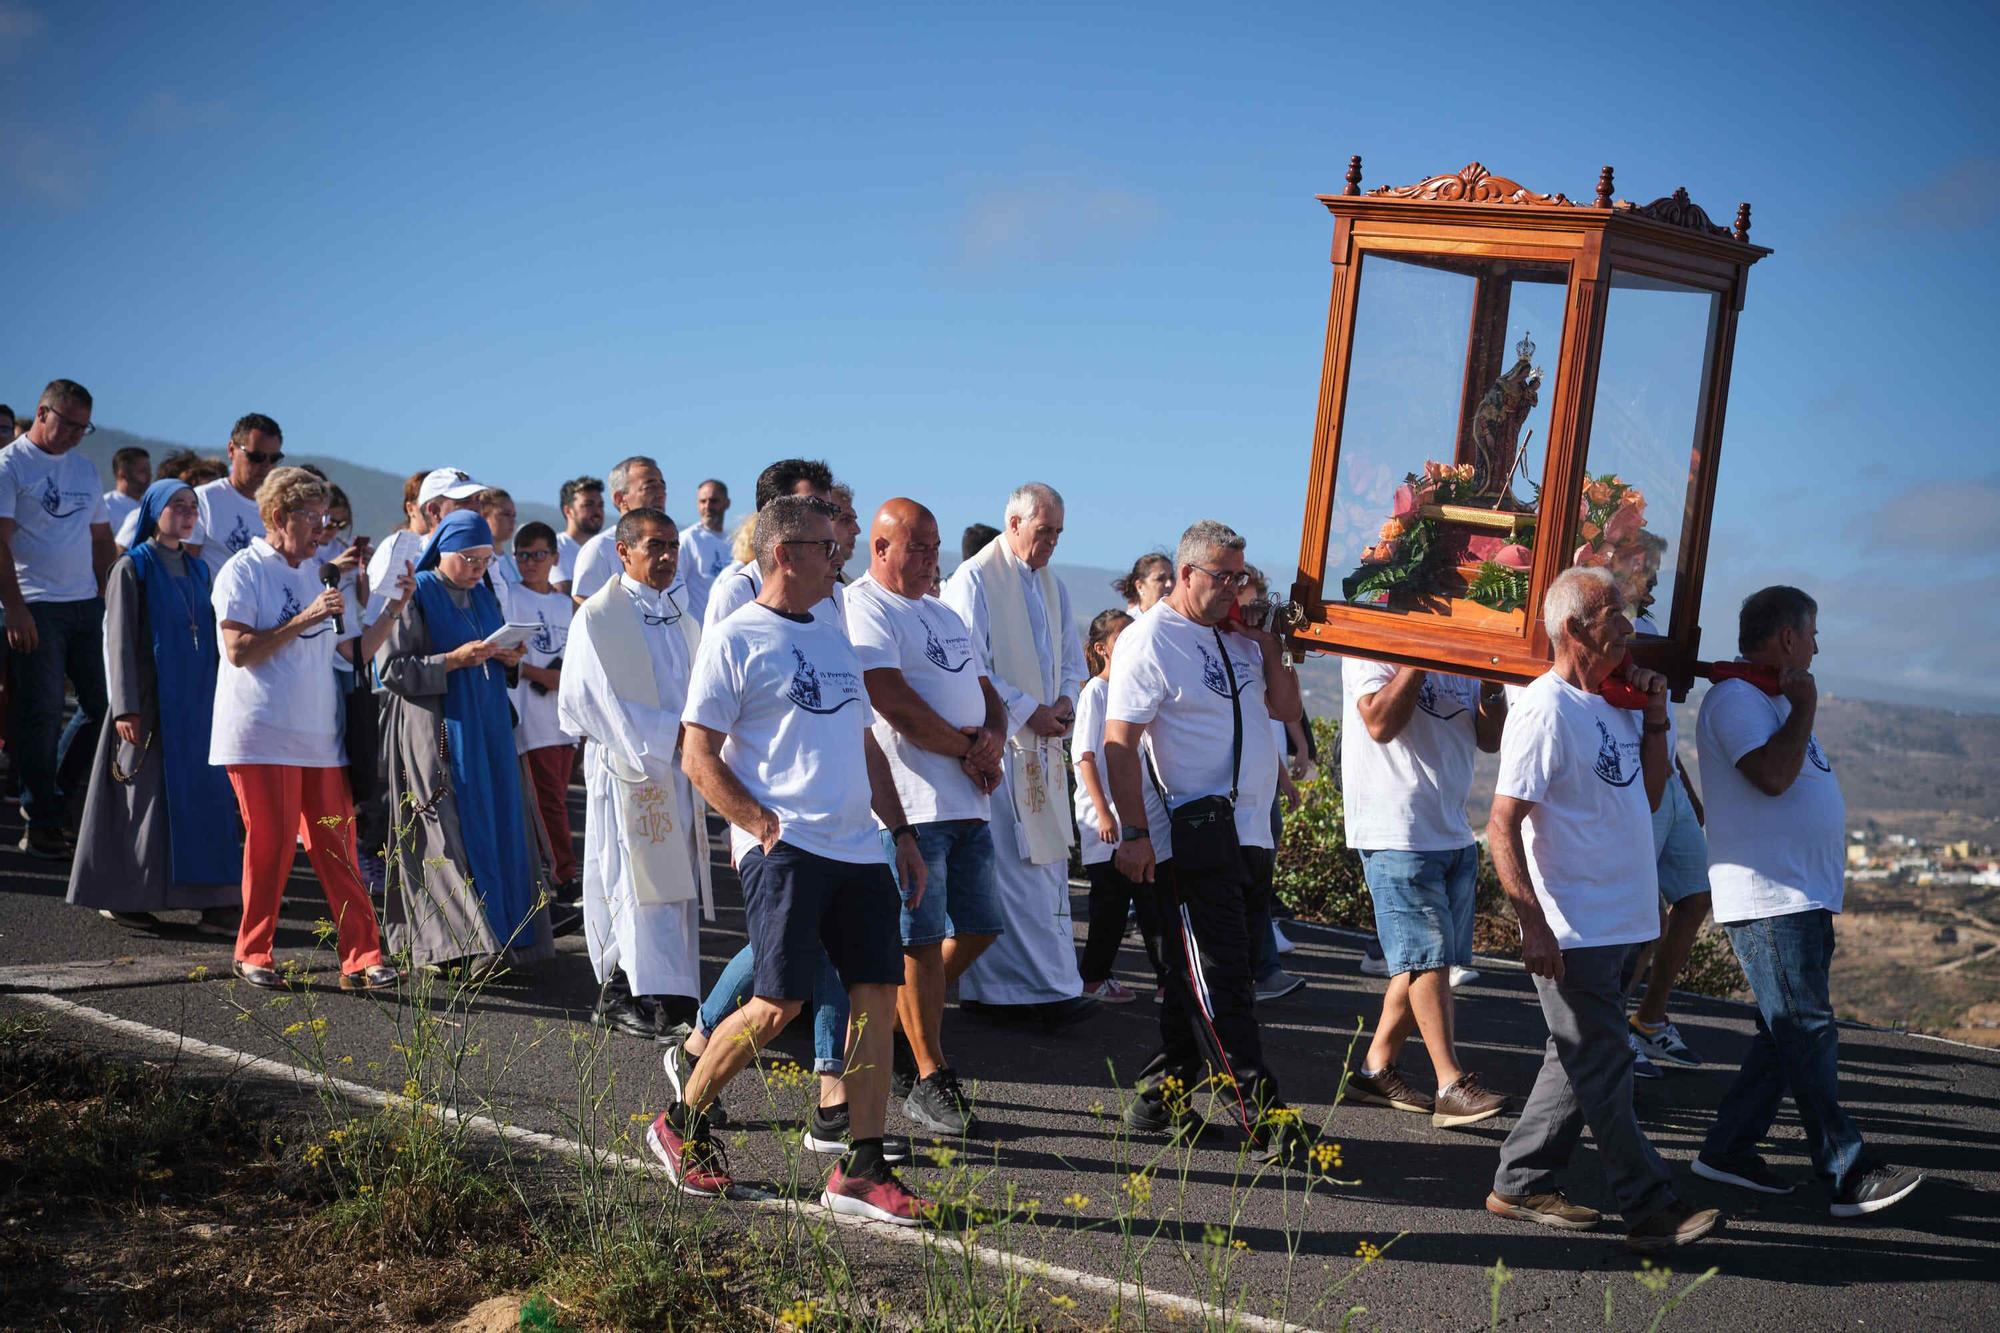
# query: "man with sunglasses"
[[228, 505], [1200, 687], [55, 549]]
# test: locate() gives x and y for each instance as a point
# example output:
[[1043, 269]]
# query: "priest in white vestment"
[[1019, 614], [645, 857]]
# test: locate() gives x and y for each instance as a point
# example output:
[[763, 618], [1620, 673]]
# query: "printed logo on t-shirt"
[[719, 563], [239, 536], [290, 607], [1610, 764], [810, 687], [58, 503], [544, 640], [1431, 701], [935, 651], [1216, 678], [1818, 756]]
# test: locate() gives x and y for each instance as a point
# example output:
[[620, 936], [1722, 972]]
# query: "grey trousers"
[[1585, 1079]]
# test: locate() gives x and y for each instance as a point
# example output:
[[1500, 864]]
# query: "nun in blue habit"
[[159, 830], [466, 882]]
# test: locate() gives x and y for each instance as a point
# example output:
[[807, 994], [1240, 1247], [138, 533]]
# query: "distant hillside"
[[377, 496]]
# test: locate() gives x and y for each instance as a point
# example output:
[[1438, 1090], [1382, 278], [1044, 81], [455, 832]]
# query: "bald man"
[[941, 724]]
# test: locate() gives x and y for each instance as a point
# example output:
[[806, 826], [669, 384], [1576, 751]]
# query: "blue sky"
[[952, 249]]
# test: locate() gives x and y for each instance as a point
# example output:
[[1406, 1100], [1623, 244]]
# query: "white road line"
[[1000, 1260]]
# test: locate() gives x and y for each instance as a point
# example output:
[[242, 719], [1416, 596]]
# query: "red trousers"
[[552, 765], [279, 802]]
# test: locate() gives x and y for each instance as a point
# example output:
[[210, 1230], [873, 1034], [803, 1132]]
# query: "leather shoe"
[[268, 978]]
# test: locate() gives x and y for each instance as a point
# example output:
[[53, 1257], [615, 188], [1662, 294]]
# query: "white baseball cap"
[[448, 483]]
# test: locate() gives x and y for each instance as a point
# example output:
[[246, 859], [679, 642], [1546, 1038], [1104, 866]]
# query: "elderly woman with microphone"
[[464, 888], [276, 727]]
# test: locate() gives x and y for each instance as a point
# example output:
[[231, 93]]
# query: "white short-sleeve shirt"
[[53, 500], [540, 726], [925, 640], [789, 697], [1408, 794], [1087, 738], [1767, 855], [229, 522], [598, 563], [1589, 839], [704, 555], [282, 710], [117, 507], [1169, 674], [567, 548]]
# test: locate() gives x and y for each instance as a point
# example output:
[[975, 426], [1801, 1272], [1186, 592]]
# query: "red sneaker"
[[694, 1165], [877, 1200]]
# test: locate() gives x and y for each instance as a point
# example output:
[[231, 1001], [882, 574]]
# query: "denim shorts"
[[1423, 906], [796, 903], [962, 890], [1679, 844]]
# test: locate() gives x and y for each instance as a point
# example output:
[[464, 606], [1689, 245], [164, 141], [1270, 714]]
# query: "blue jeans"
[[1423, 906], [1796, 1049], [70, 643], [829, 1006]]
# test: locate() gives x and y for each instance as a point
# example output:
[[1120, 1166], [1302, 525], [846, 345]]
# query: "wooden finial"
[[1353, 175], [1604, 187], [1742, 232]]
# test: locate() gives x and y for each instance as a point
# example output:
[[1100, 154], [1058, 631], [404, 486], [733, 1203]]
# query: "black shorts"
[[797, 903]]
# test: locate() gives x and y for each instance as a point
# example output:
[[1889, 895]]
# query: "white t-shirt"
[[567, 548], [540, 726], [1087, 738], [1408, 795], [598, 563], [229, 522], [53, 500], [736, 585], [1168, 675], [117, 506], [925, 640], [282, 710], [704, 555], [1767, 855], [1589, 839], [790, 699], [395, 550]]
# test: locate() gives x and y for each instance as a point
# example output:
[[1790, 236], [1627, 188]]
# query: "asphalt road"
[[1782, 1262]]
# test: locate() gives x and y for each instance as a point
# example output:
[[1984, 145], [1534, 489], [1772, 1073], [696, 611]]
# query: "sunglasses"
[[276, 456], [827, 545]]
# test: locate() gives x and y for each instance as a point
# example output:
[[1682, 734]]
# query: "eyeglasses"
[[476, 561], [827, 545], [1239, 579], [533, 557], [81, 427]]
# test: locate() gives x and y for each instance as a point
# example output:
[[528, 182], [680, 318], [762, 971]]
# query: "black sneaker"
[[903, 1073], [1746, 1173], [1874, 1189], [1148, 1113], [940, 1106], [827, 1132]]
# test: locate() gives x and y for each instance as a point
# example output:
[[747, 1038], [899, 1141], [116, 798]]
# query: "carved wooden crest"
[[1677, 210], [1474, 185]]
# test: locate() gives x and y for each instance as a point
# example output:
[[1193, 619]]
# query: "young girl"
[[1111, 894]]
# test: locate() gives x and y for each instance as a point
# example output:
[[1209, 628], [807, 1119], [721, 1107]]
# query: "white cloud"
[[1957, 516], [1049, 216]]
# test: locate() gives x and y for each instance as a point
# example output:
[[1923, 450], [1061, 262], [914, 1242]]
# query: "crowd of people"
[[906, 765]]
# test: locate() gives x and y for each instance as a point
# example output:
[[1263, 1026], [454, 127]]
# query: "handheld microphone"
[[330, 576]]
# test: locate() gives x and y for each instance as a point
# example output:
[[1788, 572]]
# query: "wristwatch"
[[900, 829], [1134, 832], [1659, 728]]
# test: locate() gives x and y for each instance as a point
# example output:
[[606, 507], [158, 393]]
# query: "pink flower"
[[1623, 525], [1514, 556], [1406, 501]]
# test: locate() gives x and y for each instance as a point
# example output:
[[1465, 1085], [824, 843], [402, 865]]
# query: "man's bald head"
[[903, 548]]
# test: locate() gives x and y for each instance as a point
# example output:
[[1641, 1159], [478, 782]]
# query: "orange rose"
[[1391, 530], [1634, 496], [1465, 471], [1590, 531], [1597, 492]]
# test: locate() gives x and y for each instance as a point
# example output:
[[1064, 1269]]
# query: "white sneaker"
[[1278, 985], [1463, 976], [1284, 946], [1373, 964]]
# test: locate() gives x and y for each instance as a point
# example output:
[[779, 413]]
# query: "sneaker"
[[878, 1200], [220, 921], [632, 1016], [1110, 991], [827, 1132], [1148, 1114], [903, 1073], [565, 920], [1463, 976], [1873, 1190], [1388, 1088], [1676, 1224], [1746, 1173], [680, 1068], [1663, 1045], [379, 977], [1373, 963], [374, 873], [1466, 1102], [131, 920], [1279, 941], [46, 843], [1278, 985], [1642, 1067], [937, 1104], [695, 1164], [1549, 1210]]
